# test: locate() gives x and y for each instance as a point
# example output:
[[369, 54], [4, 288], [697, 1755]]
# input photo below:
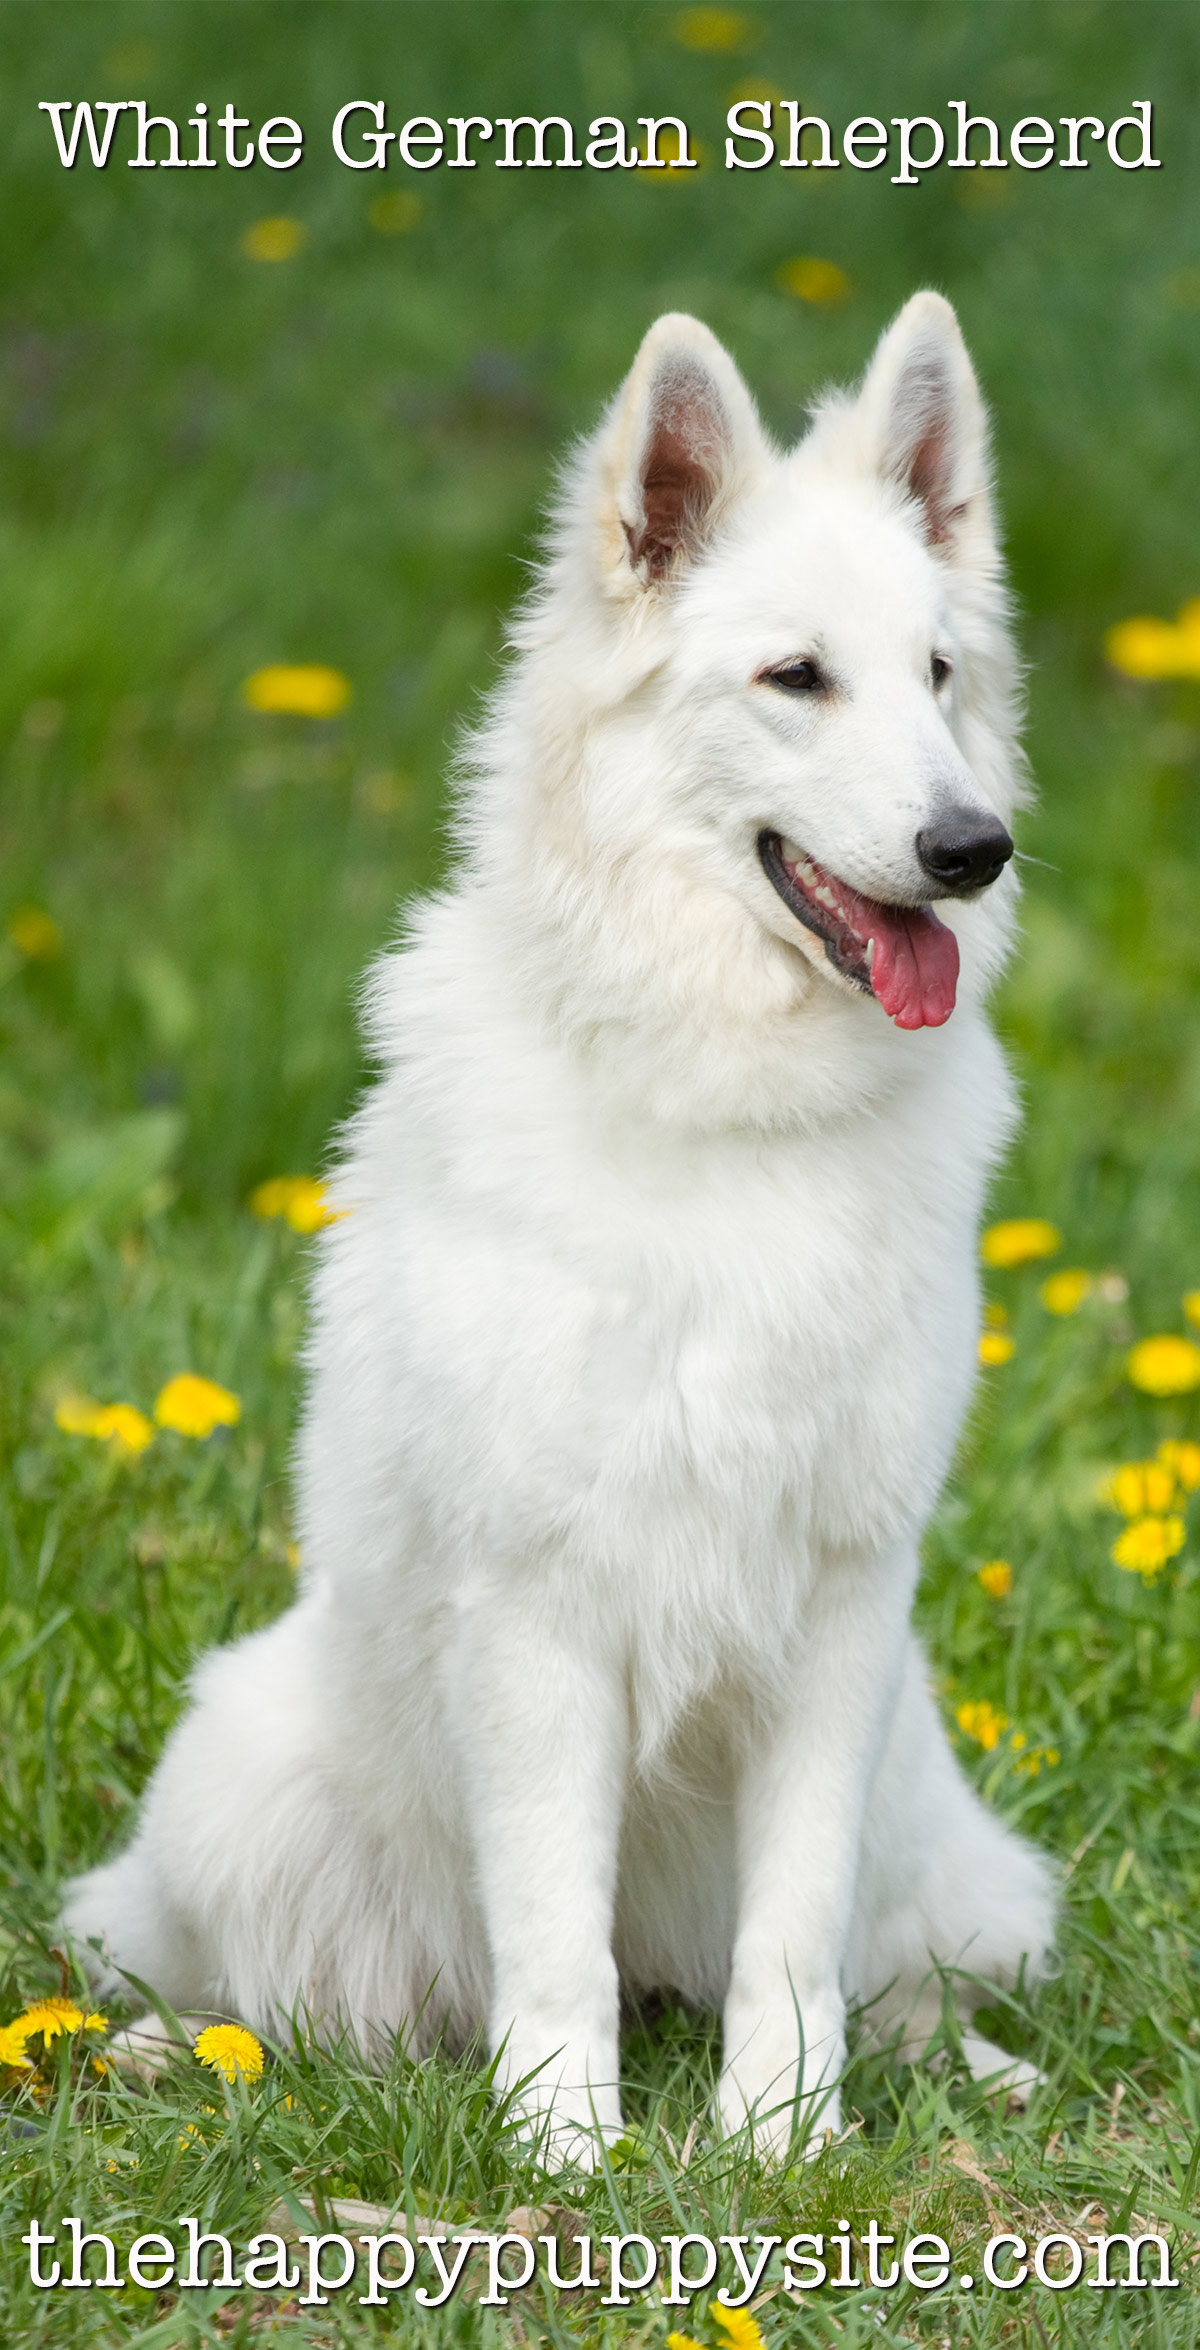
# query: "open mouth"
[[902, 955]]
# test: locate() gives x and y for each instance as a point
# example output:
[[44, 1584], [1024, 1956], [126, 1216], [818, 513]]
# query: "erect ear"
[[681, 444], [921, 423]]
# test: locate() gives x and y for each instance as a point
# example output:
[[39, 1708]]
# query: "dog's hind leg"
[[942, 1883]]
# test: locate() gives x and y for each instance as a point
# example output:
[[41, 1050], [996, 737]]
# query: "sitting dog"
[[644, 1338]]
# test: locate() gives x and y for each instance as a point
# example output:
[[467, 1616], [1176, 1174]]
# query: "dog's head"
[[792, 762]]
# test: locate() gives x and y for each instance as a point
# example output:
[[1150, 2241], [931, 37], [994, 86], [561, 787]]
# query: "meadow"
[[224, 446]]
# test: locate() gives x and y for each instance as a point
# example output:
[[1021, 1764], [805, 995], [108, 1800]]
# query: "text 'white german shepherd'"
[[642, 1346]]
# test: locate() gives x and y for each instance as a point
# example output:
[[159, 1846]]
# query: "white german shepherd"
[[641, 1349]]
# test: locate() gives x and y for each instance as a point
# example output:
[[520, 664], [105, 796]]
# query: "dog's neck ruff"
[[902, 955]]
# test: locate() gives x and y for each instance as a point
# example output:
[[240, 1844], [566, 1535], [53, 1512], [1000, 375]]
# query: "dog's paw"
[[1001, 2074], [796, 2131], [145, 2049]]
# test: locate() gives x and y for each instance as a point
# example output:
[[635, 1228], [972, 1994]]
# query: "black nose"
[[963, 850]]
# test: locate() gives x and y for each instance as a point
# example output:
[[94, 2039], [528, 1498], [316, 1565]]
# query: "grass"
[[208, 462]]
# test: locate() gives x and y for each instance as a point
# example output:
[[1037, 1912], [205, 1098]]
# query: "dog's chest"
[[792, 1358], [767, 1357]]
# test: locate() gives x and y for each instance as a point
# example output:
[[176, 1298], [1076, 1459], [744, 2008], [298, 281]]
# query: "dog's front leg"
[[543, 1731], [800, 1812]]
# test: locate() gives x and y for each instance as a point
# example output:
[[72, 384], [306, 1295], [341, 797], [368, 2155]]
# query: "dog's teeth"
[[792, 855]]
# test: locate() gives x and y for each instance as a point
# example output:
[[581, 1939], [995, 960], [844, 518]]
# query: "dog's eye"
[[939, 670], [798, 677]]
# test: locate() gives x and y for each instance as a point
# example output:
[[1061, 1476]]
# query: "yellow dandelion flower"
[[1164, 1366], [995, 1316], [298, 690], [1182, 1459], [1147, 1544], [996, 1576], [194, 1406], [292, 1555], [1020, 1241], [35, 934], [737, 2325], [1146, 647], [1139, 1488], [1065, 1292], [231, 2050], [277, 238], [682, 2342], [823, 283], [394, 214], [715, 32], [12, 2045], [52, 2016], [76, 1414], [300, 1198], [981, 1721], [1143, 647], [124, 1427], [1191, 1306], [118, 1424], [996, 1346], [1030, 1765]]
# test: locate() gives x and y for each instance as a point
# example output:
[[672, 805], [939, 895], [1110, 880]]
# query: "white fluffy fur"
[[640, 1355]]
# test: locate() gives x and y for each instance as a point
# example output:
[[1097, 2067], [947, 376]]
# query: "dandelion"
[[1065, 1292], [50, 2017], [298, 690], [1152, 648], [300, 1198], [1020, 1241], [35, 934], [996, 1576], [120, 1425], [737, 2325], [12, 2046], [1191, 1306], [823, 283], [394, 214], [1164, 1366], [194, 1406], [124, 1427], [996, 1346], [996, 1317], [1183, 1461], [1139, 1488], [1030, 1765], [277, 238], [715, 31], [1147, 1543], [231, 2050], [982, 1721]]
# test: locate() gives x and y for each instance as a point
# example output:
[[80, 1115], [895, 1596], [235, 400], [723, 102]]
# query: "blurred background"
[[310, 417]]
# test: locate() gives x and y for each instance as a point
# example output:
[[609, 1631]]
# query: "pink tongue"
[[914, 969]]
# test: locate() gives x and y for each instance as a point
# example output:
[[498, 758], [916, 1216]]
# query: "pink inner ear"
[[680, 470], [927, 465], [928, 468]]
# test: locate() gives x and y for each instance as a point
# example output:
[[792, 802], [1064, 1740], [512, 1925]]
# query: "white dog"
[[643, 1343]]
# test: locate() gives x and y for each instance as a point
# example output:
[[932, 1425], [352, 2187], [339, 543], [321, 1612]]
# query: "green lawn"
[[209, 462]]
